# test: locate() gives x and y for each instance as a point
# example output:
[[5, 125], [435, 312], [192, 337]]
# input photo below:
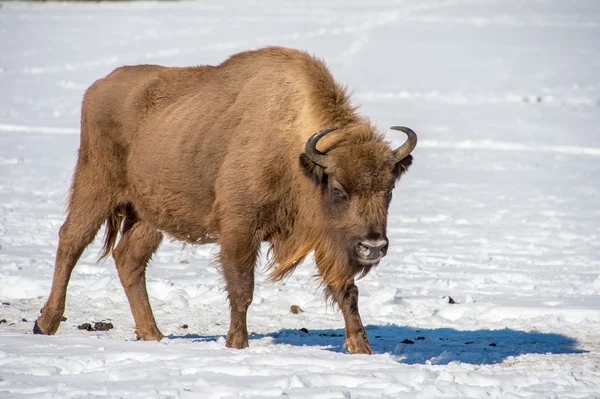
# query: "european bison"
[[229, 154]]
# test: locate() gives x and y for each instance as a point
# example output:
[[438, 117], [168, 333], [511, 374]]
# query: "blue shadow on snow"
[[421, 345]]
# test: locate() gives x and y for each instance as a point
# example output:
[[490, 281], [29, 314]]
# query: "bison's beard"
[[337, 264]]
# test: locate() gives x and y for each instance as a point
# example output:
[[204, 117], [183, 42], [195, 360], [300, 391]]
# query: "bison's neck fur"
[[334, 268]]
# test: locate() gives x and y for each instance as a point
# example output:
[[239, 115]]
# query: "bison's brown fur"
[[216, 153]]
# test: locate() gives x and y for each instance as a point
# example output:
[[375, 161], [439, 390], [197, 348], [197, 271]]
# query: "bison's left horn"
[[409, 145], [311, 147]]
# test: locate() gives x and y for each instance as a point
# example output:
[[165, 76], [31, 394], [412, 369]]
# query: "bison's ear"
[[402, 166], [311, 169]]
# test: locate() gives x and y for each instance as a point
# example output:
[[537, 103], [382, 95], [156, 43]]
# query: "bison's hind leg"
[[90, 204], [138, 242]]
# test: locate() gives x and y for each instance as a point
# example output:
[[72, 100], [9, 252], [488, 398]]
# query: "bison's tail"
[[113, 225]]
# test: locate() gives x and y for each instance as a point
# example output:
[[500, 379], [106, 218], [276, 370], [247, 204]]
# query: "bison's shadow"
[[435, 346]]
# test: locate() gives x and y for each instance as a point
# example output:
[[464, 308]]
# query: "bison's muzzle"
[[370, 252]]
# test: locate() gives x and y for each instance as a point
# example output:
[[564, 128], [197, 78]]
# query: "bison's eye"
[[337, 192]]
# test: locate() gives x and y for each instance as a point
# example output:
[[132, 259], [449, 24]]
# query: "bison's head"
[[356, 179]]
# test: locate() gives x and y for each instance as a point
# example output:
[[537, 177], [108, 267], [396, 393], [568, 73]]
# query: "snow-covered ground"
[[500, 211]]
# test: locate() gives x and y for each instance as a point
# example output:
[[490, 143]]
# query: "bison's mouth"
[[368, 262]]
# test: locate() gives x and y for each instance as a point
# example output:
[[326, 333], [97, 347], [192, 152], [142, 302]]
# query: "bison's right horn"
[[409, 145], [311, 147]]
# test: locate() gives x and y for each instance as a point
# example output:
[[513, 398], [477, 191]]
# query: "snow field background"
[[500, 210]]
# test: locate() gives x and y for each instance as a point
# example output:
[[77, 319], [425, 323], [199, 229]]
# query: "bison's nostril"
[[383, 250], [364, 251]]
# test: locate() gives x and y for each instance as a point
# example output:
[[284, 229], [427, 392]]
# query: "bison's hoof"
[[152, 335], [36, 329], [237, 341], [356, 346]]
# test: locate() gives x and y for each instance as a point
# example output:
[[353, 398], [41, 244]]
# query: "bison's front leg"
[[356, 337], [238, 256]]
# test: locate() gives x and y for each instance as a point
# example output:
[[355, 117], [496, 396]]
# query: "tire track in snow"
[[494, 145], [506, 20], [9, 128], [487, 145], [462, 98], [370, 22], [71, 66]]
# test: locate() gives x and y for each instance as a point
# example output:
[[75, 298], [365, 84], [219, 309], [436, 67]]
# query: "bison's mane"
[[297, 234]]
